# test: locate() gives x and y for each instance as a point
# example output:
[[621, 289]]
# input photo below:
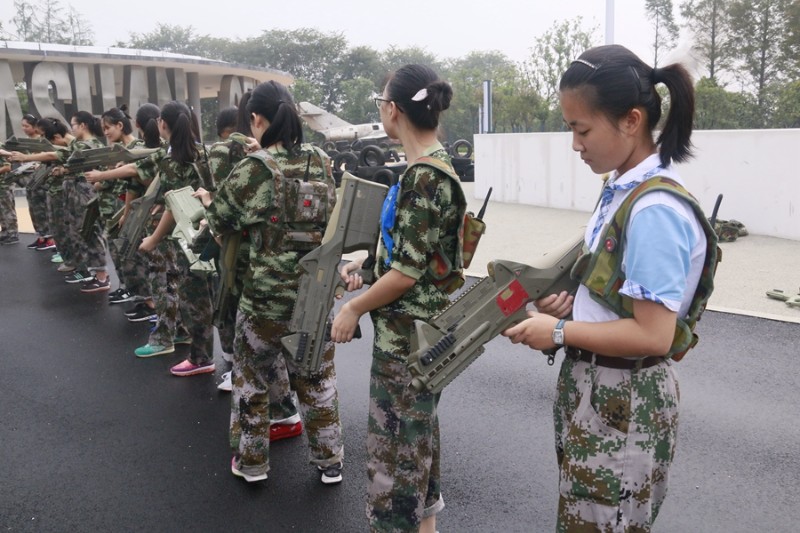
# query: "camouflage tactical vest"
[[303, 202], [446, 271], [601, 271]]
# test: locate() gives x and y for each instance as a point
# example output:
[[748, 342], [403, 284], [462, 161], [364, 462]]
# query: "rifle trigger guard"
[[551, 359]]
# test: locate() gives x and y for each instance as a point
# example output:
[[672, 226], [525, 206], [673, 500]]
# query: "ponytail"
[[674, 141], [182, 139]]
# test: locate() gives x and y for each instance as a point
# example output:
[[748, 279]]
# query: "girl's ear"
[[633, 121]]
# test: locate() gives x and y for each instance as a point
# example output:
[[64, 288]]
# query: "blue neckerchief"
[[387, 220]]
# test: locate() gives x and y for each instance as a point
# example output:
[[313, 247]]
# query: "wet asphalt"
[[94, 439]]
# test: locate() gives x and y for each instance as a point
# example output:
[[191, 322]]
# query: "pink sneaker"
[[187, 368]]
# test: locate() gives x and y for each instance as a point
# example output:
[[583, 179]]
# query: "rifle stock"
[[21, 170], [444, 347], [188, 211], [85, 160], [130, 234], [29, 146], [354, 225]]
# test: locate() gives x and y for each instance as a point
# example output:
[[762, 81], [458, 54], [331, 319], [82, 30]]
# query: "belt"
[[576, 354]]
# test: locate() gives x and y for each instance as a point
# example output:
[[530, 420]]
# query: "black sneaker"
[[120, 296], [332, 474], [143, 314], [135, 309], [35, 244], [9, 239], [79, 277]]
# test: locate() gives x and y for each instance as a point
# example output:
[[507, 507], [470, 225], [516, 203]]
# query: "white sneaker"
[[226, 382]]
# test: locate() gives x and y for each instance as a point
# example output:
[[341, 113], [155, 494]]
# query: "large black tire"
[[328, 146], [356, 145], [457, 151], [383, 146], [346, 161], [393, 155], [384, 176], [371, 156]]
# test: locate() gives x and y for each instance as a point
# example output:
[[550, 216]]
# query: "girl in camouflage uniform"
[[403, 433], [616, 410], [252, 198], [37, 198], [181, 167]]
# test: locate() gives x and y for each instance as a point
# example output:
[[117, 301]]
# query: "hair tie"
[[421, 95], [657, 75], [584, 62]]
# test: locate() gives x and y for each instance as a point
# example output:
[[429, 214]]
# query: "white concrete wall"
[[755, 170]]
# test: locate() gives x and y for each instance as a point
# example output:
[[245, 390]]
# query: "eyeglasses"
[[378, 101]]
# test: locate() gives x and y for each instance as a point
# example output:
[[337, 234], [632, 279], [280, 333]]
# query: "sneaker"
[[150, 351], [142, 314], [9, 239], [56, 258], [65, 267], [96, 286], [332, 474], [135, 309], [48, 244], [37, 243], [250, 479], [182, 340], [120, 296], [79, 277], [227, 385], [187, 368], [285, 428]]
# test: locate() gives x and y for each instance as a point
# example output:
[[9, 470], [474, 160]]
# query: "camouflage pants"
[[194, 303], [257, 356], [55, 220], [615, 440], [37, 206], [163, 280], [90, 253], [8, 212], [403, 450]]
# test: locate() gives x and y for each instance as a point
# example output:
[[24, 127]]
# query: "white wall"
[[755, 170]]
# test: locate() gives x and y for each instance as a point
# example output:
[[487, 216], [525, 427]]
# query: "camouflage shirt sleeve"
[[243, 199]]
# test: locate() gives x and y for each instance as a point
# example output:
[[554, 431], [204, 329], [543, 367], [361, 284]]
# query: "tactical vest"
[[446, 271], [601, 271], [302, 205]]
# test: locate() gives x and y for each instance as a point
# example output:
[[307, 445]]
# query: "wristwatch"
[[558, 333]]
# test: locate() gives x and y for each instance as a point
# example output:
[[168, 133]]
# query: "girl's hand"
[[17, 157], [252, 145], [557, 305], [148, 244], [98, 186], [536, 331], [93, 176], [352, 280], [344, 324], [203, 195]]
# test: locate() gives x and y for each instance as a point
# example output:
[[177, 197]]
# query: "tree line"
[[746, 53]]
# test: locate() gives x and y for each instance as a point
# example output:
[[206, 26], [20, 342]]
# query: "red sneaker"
[[286, 428]]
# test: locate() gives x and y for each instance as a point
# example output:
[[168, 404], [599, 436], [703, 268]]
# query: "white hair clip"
[[584, 62], [421, 95]]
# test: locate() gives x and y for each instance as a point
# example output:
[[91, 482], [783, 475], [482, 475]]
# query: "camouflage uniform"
[[37, 206], [77, 193], [55, 204], [8, 209], [194, 292], [403, 430], [249, 199]]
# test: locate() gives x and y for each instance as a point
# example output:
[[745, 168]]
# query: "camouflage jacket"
[[250, 199], [56, 184], [427, 219], [223, 156]]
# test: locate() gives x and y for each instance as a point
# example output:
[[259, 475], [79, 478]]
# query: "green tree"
[[787, 106], [708, 22], [165, 38], [716, 108], [46, 22], [394, 58], [356, 103], [791, 42], [550, 56], [665, 34], [758, 28]]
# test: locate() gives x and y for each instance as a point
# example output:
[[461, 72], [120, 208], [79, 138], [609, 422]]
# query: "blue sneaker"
[[149, 351]]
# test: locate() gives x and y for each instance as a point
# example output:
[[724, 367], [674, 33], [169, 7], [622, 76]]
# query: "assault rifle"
[[40, 175], [188, 211], [112, 226], [443, 348], [28, 145], [130, 234], [90, 218], [84, 160], [22, 169], [354, 225]]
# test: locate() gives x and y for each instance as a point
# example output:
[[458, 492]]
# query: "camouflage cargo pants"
[[615, 440], [89, 253], [55, 220], [37, 206], [8, 212], [403, 450], [256, 357], [163, 280], [196, 311]]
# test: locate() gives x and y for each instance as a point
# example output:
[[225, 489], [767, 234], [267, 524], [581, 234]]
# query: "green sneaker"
[[56, 258], [150, 351]]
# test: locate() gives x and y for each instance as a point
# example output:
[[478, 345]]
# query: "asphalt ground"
[[94, 439]]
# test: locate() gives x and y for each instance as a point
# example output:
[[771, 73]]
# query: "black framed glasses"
[[378, 100]]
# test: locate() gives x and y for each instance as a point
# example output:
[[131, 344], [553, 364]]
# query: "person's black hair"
[[30, 119], [117, 115], [179, 118], [613, 80], [90, 121], [51, 127], [147, 121], [227, 119], [419, 93], [243, 117], [274, 102]]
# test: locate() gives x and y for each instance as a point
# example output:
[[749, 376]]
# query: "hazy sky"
[[445, 28]]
